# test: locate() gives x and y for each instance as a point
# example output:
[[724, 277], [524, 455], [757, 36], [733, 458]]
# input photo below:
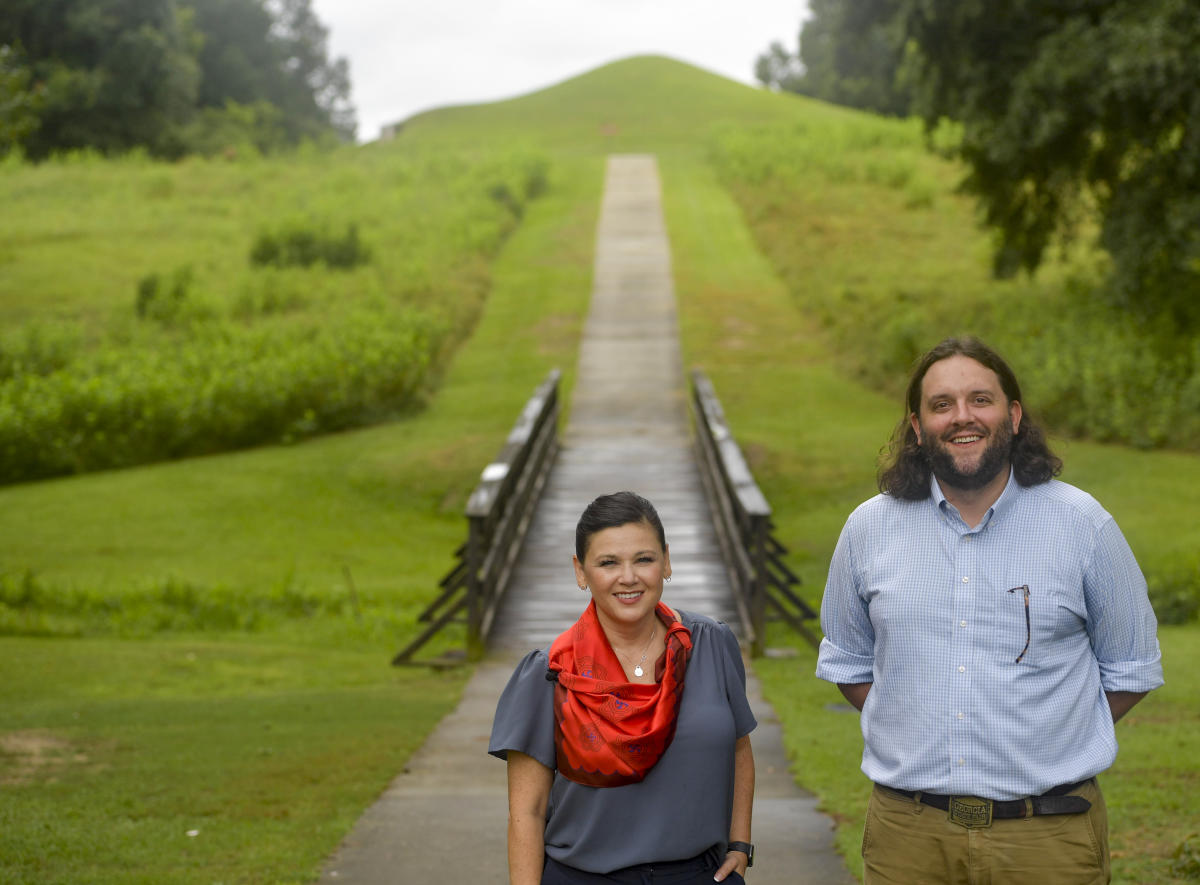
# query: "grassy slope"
[[270, 745], [406, 483]]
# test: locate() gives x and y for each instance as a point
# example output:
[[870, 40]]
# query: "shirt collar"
[[999, 506]]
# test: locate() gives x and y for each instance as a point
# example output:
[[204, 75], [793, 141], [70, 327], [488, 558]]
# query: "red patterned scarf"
[[611, 732]]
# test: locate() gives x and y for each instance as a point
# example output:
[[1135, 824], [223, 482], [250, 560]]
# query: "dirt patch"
[[27, 757]]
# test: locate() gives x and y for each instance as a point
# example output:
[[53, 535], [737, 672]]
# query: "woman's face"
[[624, 567]]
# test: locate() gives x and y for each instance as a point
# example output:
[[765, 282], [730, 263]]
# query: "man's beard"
[[995, 458]]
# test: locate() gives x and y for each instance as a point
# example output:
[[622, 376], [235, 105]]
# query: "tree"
[[110, 74], [779, 69], [850, 54], [20, 100], [167, 75], [276, 52], [1072, 109], [317, 88]]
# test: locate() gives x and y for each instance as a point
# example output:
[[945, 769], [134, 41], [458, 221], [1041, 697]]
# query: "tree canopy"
[[1071, 107], [849, 54], [166, 75], [1072, 112]]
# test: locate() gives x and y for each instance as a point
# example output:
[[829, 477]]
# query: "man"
[[991, 624]]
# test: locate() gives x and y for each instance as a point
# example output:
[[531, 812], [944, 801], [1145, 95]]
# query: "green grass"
[[756, 293], [196, 760], [271, 744], [149, 345], [645, 103], [385, 503], [811, 434]]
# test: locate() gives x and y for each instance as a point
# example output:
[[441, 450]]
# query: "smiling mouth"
[[966, 440], [632, 594]]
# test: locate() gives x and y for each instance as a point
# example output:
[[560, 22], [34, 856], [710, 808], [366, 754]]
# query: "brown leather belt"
[[972, 811]]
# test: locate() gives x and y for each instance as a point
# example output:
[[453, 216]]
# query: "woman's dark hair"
[[905, 470], [611, 511]]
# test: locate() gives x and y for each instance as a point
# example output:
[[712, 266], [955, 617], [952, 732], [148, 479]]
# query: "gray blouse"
[[684, 804]]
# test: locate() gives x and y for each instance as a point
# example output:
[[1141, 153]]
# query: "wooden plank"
[[628, 427]]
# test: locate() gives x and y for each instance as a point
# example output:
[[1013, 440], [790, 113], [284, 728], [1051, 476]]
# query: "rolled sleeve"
[[1121, 623], [847, 653], [838, 665]]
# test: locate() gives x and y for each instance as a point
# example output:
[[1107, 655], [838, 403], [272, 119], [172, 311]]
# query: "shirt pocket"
[[1033, 622]]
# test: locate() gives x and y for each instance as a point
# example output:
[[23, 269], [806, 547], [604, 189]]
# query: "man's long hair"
[[905, 469]]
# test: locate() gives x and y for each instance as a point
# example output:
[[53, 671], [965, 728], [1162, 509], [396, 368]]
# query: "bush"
[[303, 244], [163, 299], [38, 349], [231, 389], [1175, 595]]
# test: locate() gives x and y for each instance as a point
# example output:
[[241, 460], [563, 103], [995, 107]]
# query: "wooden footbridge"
[[634, 424]]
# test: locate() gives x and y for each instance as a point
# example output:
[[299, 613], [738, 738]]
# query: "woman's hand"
[[743, 805], [734, 860]]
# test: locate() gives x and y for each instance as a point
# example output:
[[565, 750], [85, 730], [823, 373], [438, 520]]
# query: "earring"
[[668, 579], [583, 589]]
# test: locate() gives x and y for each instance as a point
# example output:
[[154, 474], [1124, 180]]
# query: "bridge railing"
[[498, 515], [761, 581]]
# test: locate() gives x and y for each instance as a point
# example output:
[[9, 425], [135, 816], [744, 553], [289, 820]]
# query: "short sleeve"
[[735, 681], [525, 713]]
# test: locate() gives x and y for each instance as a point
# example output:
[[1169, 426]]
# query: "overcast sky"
[[411, 55]]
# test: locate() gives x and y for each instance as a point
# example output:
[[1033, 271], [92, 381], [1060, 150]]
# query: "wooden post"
[[476, 588], [757, 548]]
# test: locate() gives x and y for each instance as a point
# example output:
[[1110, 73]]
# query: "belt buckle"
[[970, 811]]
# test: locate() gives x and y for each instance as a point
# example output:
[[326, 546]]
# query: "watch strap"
[[745, 847]]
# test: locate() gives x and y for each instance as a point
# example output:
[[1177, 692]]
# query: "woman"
[[627, 741]]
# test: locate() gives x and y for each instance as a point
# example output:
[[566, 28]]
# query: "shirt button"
[[962, 623], [962, 669], [966, 580], [960, 715], [962, 761]]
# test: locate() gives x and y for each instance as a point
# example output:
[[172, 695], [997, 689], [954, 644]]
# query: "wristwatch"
[[745, 848]]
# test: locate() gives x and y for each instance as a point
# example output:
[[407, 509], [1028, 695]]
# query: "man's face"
[[966, 423]]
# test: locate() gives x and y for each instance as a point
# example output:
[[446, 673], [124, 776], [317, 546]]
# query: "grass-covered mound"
[[153, 311]]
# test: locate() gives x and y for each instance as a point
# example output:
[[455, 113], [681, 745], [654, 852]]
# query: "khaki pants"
[[907, 843]]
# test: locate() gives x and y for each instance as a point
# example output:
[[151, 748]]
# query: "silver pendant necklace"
[[637, 670]]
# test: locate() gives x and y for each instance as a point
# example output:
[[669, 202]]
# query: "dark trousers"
[[697, 870]]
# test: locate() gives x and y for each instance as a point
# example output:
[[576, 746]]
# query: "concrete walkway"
[[444, 818]]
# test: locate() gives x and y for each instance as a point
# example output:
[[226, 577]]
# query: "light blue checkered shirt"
[[932, 613]]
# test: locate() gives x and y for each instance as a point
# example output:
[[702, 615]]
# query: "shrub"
[[163, 298], [230, 389], [38, 349], [1175, 595], [303, 244]]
